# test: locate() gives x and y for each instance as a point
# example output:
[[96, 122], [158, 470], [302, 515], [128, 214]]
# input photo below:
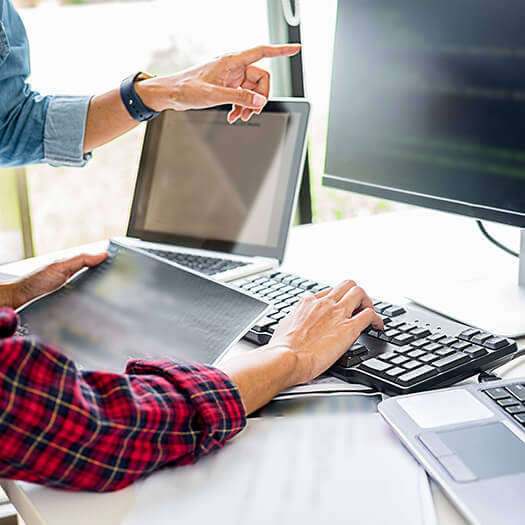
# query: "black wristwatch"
[[133, 103]]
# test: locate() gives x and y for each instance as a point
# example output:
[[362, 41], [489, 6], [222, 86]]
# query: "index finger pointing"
[[259, 52]]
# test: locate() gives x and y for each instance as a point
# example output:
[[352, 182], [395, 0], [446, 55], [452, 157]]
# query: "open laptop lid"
[[203, 183]]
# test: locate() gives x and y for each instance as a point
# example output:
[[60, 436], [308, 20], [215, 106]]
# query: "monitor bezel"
[[475, 211], [147, 165]]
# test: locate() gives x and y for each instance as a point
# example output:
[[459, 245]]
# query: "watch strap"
[[133, 103]]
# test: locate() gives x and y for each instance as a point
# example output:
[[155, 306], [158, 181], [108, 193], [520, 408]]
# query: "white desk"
[[386, 254]]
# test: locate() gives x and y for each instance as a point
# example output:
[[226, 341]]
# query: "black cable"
[[486, 377], [494, 241]]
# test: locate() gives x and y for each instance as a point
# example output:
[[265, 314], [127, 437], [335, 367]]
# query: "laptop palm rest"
[[463, 451]]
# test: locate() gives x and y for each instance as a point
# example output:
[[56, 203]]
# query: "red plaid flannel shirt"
[[101, 431]]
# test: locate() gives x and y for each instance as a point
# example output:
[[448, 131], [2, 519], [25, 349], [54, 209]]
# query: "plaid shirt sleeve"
[[101, 431]]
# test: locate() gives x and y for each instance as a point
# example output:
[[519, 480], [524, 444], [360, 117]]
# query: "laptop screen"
[[208, 184]]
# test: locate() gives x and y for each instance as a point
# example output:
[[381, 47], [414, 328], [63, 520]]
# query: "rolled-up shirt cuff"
[[64, 131]]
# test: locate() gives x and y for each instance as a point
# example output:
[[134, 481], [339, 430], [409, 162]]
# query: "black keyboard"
[[199, 263], [416, 351], [511, 399]]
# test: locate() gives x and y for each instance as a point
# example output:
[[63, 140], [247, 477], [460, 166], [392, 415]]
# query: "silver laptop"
[[471, 440], [220, 198]]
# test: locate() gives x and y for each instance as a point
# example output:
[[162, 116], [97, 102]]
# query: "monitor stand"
[[495, 303]]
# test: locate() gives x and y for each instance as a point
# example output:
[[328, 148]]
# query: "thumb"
[[242, 97]]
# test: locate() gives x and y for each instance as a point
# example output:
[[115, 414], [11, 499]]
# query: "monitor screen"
[[206, 183], [428, 104]]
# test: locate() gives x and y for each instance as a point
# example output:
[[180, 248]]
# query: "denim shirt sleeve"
[[34, 128], [64, 129]]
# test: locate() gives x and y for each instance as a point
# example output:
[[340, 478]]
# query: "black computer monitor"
[[427, 107]]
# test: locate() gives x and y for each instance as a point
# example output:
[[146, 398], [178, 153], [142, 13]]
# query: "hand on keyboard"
[[321, 327]]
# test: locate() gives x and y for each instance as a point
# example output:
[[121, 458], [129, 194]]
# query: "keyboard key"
[[474, 351], [417, 374], [396, 324], [392, 333], [420, 332], [263, 324], [373, 333], [273, 295], [461, 344], [394, 311], [278, 316], [520, 418], [280, 306], [444, 350], [450, 361], [387, 356], [306, 284], [507, 402], [416, 353], [394, 372], [420, 343], [428, 358], [357, 349], [409, 365], [382, 335], [399, 360], [448, 341], [432, 347], [496, 393], [379, 307], [518, 391], [515, 409], [495, 342], [403, 339], [347, 361], [406, 327], [375, 365], [436, 337], [404, 349], [480, 338], [466, 335], [302, 295]]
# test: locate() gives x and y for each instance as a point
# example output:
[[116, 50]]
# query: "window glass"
[[317, 33], [89, 48]]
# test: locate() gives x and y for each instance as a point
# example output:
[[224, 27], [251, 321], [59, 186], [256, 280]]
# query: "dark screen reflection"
[[134, 306]]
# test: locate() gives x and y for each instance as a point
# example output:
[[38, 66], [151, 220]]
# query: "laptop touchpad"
[[488, 451]]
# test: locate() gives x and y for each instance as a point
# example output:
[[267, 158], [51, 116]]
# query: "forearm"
[[261, 374], [101, 431], [108, 118]]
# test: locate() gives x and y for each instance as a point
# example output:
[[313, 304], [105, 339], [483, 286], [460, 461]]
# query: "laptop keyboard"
[[511, 399], [416, 350], [199, 263]]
